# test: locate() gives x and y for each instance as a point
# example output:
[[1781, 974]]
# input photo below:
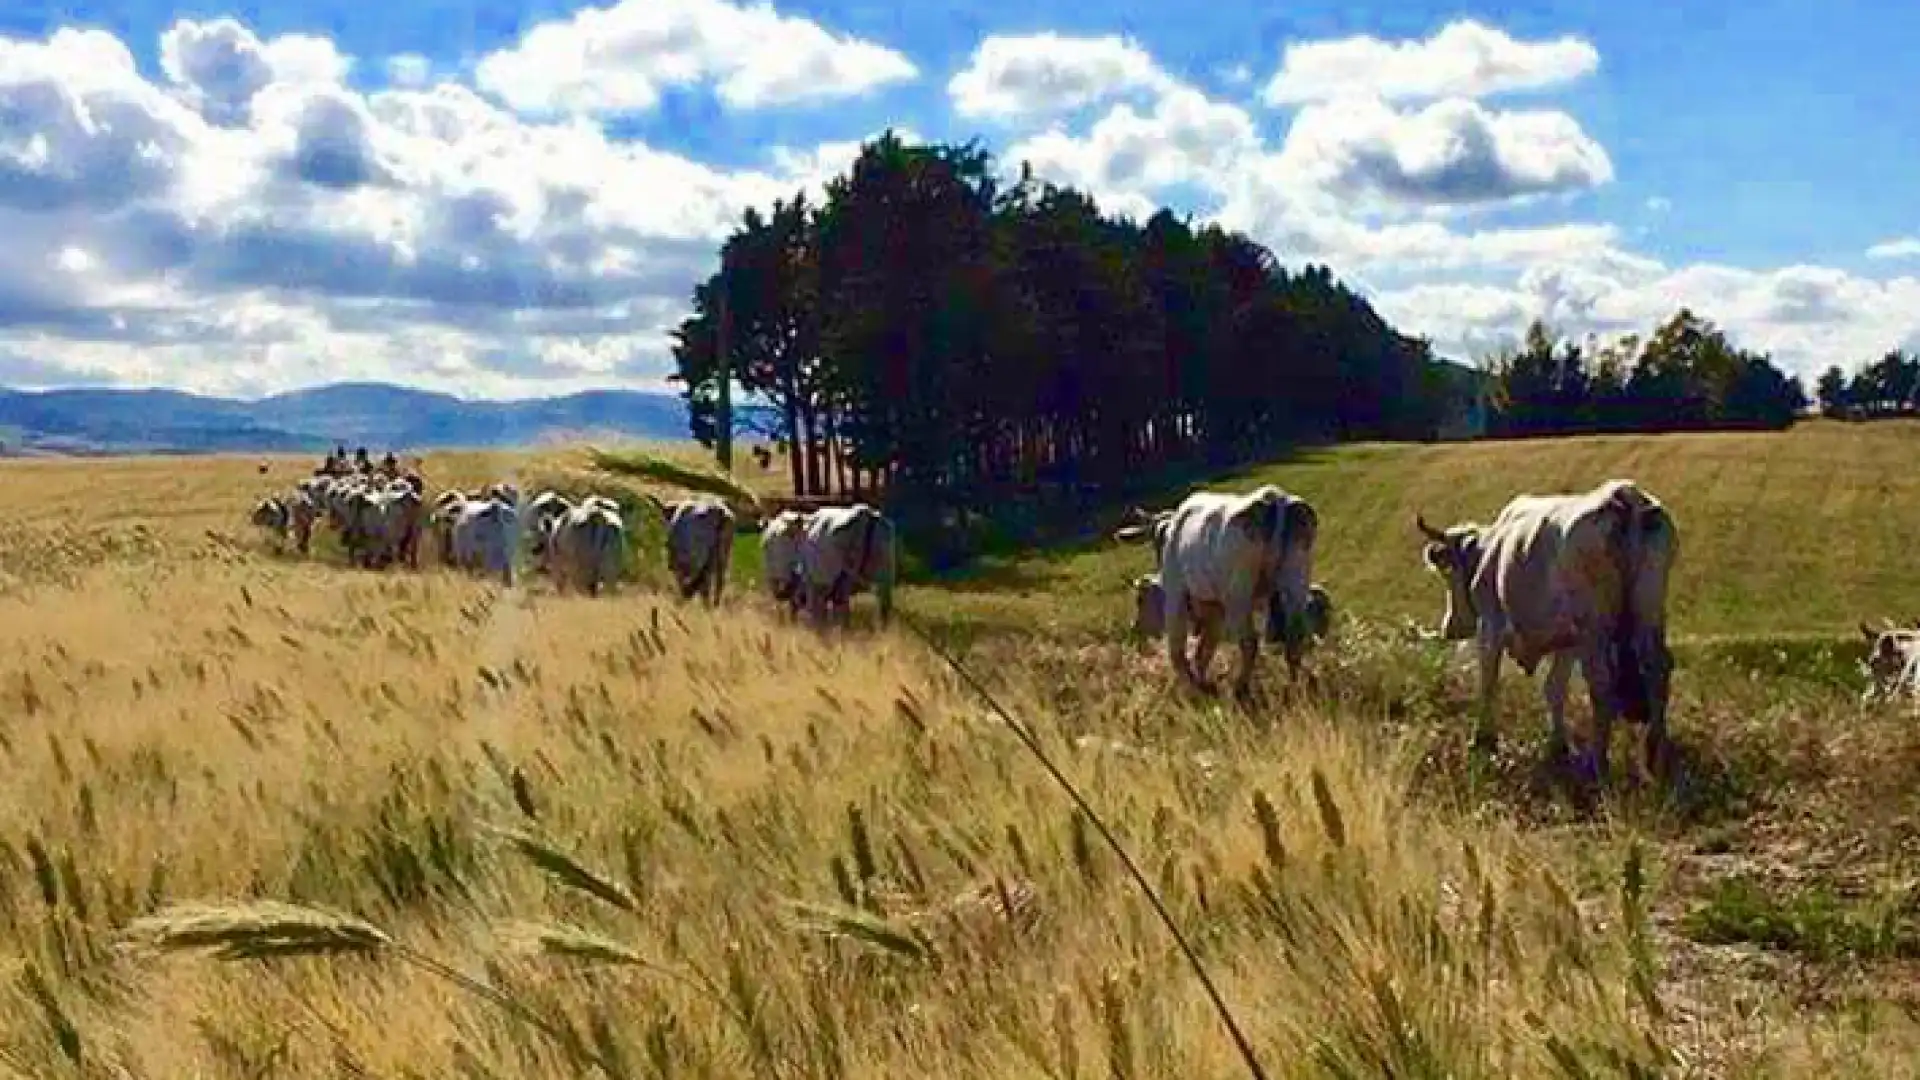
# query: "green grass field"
[[1781, 536], [734, 848]]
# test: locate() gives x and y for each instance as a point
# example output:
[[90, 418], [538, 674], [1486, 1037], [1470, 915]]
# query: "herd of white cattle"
[[813, 562], [1577, 581]]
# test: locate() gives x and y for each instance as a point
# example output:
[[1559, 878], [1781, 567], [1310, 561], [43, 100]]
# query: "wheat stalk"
[[272, 930]]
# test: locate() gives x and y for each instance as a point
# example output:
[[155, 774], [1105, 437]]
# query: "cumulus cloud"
[[219, 66], [622, 58], [1466, 58], [248, 218], [1808, 317], [1128, 156], [1039, 76], [409, 70], [1907, 247], [1451, 153]]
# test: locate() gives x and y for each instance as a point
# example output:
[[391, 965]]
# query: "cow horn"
[[1867, 631], [1433, 534]]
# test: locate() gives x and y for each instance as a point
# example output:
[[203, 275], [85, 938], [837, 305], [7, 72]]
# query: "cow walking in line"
[[1574, 579], [1220, 556]]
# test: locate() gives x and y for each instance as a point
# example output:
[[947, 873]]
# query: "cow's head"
[[1149, 606], [1890, 651], [1454, 554]]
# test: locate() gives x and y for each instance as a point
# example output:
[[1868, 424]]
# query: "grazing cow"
[[384, 525], [846, 550], [270, 515], [780, 541], [446, 511], [1892, 666], [1580, 578], [584, 545], [545, 509], [483, 536], [699, 545], [1222, 555]]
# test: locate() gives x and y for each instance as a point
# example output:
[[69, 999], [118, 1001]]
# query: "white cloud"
[[1808, 317], [246, 219], [1127, 156], [409, 70], [1366, 178], [1907, 247], [1659, 204], [1037, 76], [252, 222], [219, 66], [620, 59], [1450, 153], [1466, 58]]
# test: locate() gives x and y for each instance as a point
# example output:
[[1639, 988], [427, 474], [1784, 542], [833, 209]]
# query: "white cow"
[[1220, 557], [483, 536], [446, 510], [780, 541], [384, 525], [1892, 666], [1578, 578], [846, 550], [584, 545], [700, 535]]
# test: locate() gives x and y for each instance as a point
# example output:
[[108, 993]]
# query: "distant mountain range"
[[378, 416]]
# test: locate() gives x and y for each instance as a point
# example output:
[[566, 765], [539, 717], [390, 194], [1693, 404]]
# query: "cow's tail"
[[1646, 547]]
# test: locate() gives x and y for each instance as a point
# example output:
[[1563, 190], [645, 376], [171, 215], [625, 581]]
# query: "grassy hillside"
[[1781, 534], [738, 849]]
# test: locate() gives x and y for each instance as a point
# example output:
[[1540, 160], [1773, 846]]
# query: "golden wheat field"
[[268, 817]]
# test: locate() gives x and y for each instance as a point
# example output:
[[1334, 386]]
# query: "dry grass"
[[426, 826]]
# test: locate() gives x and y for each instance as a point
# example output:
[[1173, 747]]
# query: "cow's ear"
[[1435, 556]]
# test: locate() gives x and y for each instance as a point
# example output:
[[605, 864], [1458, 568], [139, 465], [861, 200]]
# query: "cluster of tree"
[[1890, 386], [948, 340], [1686, 376]]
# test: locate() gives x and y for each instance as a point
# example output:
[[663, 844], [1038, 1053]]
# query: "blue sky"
[[509, 199]]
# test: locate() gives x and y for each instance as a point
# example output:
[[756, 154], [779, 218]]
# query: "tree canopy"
[[1685, 376], [931, 333], [932, 337], [1889, 386]]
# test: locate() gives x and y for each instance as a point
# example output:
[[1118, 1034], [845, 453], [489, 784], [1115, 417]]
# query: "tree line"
[[932, 337], [1686, 375], [1889, 386], [933, 334]]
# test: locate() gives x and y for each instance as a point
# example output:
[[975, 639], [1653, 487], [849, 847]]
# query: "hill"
[[556, 834], [376, 415]]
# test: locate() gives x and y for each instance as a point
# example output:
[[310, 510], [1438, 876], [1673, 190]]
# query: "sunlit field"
[[268, 816]]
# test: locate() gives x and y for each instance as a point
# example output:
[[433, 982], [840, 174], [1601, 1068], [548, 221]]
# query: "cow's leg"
[[1596, 668], [1209, 634], [1239, 616], [1490, 643], [1658, 664], [1559, 680], [1174, 625]]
